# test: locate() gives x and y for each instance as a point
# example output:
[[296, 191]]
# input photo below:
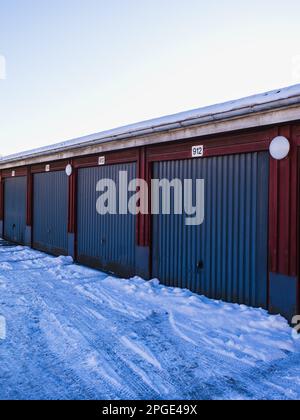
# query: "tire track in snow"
[[154, 361]]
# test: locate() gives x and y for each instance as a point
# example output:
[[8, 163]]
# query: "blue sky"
[[75, 67]]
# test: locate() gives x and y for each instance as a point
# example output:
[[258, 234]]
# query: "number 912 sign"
[[197, 151]]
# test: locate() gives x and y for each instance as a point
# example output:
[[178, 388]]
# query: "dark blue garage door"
[[15, 209], [225, 257], [50, 212], [105, 241]]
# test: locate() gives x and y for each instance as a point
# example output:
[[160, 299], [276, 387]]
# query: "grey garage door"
[[104, 241], [15, 209], [50, 212], [225, 257]]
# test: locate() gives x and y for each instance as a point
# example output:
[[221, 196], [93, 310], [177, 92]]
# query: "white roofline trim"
[[267, 103]]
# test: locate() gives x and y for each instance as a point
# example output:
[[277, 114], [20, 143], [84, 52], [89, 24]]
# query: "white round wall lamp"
[[69, 170], [280, 148]]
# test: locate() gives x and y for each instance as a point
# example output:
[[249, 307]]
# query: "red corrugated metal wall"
[[283, 209]]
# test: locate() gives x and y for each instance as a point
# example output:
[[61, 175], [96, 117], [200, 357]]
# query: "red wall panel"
[[29, 212], [284, 210], [1, 198]]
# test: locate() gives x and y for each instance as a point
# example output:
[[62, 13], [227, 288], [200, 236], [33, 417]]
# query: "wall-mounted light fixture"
[[69, 170], [280, 148]]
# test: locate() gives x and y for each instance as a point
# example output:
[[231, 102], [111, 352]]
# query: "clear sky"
[[75, 67]]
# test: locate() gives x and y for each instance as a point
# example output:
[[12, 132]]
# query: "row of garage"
[[223, 258], [245, 251], [106, 242]]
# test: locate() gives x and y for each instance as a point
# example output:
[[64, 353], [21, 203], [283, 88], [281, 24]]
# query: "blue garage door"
[[105, 241], [50, 212], [225, 257], [15, 209]]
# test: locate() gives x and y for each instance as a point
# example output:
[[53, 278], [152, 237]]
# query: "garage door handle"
[[200, 265]]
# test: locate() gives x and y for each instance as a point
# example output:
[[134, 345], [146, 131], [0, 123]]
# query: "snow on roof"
[[273, 99]]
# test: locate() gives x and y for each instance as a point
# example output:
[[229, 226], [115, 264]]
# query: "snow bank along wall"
[[247, 249]]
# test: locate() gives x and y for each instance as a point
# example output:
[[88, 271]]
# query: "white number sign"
[[197, 151], [101, 160]]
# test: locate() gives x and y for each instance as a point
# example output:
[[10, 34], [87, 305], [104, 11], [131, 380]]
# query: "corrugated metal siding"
[[104, 241], [232, 243], [15, 209], [50, 212]]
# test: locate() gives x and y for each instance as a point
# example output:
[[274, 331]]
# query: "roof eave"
[[280, 111]]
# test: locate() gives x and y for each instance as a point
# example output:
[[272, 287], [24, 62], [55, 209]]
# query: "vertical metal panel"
[[104, 241], [50, 212], [284, 208], [231, 244], [15, 209]]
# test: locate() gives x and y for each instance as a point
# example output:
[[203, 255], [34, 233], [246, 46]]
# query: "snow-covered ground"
[[75, 333]]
